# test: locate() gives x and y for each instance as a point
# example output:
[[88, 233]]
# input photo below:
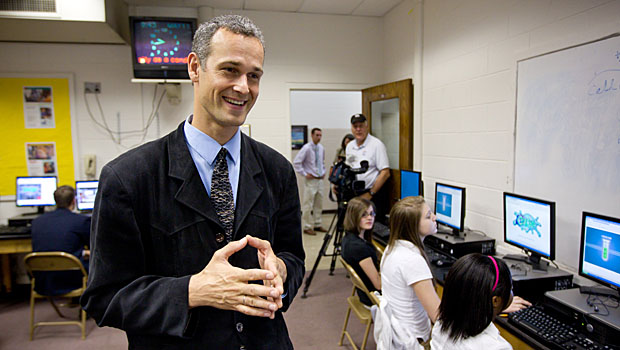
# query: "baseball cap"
[[356, 118]]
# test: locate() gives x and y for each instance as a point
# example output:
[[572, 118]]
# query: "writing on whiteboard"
[[603, 82]]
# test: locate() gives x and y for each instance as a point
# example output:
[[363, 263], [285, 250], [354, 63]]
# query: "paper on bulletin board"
[[41, 158], [38, 107]]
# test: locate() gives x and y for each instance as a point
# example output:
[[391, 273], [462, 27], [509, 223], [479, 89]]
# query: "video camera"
[[343, 176]]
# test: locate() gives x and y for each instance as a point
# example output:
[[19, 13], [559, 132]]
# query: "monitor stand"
[[537, 263], [40, 211], [603, 291], [448, 230]]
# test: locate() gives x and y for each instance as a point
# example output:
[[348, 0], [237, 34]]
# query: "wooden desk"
[[11, 245]]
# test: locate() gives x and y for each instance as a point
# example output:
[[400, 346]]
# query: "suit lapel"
[[248, 181], [192, 192]]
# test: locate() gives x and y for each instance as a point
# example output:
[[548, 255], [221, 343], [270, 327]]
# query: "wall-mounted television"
[[160, 46]]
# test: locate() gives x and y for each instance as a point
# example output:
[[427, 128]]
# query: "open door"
[[389, 108]]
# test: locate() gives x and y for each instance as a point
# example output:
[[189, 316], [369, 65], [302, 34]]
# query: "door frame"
[[403, 90]]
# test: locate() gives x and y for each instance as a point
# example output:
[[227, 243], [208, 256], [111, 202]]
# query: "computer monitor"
[[450, 207], [85, 192], [599, 255], [411, 184], [35, 191], [529, 224]]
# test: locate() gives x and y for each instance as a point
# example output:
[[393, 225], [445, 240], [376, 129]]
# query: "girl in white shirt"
[[406, 279], [409, 300], [477, 288]]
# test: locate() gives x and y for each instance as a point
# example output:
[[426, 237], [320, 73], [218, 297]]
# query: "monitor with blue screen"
[[411, 184], [450, 207], [529, 224], [85, 192], [35, 191], [599, 255]]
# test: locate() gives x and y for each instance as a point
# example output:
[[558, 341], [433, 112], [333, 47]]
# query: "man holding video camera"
[[369, 148]]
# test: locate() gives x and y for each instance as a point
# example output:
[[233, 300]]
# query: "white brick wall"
[[469, 82]]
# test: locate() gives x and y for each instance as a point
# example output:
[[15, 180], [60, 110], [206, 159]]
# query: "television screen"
[[160, 46], [450, 206], [85, 193], [410, 183], [35, 191], [529, 223], [599, 258]]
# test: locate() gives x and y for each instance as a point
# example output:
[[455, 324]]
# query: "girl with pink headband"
[[477, 288]]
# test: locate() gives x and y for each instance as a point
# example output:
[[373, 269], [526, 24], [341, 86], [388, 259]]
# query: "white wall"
[[470, 50], [330, 111], [298, 56]]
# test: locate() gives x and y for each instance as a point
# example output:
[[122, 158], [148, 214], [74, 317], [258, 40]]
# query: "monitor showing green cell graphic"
[[599, 258]]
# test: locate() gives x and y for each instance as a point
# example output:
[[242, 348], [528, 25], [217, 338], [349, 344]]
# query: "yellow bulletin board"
[[14, 135]]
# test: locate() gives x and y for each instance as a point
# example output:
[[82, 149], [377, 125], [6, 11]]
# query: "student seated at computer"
[[407, 282], [357, 249], [65, 231], [477, 288]]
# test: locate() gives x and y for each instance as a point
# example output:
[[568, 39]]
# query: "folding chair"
[[358, 307], [55, 261]]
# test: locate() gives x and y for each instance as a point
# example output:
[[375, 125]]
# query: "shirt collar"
[[363, 143], [207, 147]]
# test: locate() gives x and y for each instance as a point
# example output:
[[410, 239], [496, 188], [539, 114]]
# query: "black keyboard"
[[381, 233], [552, 332], [14, 230], [439, 259]]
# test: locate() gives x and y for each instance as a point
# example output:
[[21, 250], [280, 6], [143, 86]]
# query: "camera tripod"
[[338, 231]]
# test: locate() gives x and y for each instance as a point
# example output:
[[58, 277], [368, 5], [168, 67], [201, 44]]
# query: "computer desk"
[[512, 334], [507, 331], [12, 244]]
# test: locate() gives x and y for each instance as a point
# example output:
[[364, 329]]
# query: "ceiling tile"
[[376, 8], [222, 4], [273, 5], [334, 7]]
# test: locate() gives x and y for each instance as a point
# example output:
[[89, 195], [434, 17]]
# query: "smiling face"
[[428, 223], [226, 84]]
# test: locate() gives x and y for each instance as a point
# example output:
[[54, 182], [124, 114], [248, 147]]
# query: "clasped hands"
[[226, 287]]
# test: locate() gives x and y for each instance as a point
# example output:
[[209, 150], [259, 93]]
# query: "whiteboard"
[[567, 142]]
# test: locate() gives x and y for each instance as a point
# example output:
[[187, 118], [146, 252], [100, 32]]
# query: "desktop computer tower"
[[601, 324], [532, 284], [23, 220], [457, 247]]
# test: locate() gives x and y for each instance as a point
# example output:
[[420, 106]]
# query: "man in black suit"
[[61, 230], [166, 267]]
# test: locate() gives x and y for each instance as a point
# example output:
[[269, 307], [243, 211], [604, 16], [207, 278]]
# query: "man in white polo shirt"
[[370, 148]]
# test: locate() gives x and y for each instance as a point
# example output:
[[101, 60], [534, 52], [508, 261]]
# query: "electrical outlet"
[[92, 88]]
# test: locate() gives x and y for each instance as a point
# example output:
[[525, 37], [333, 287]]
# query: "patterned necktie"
[[222, 195]]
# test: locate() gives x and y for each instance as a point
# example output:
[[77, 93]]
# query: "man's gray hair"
[[234, 23]]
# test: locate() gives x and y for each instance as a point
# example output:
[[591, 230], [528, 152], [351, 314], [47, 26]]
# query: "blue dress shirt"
[[203, 149]]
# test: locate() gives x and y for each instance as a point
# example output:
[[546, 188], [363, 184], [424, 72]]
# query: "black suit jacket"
[[154, 226], [60, 231]]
